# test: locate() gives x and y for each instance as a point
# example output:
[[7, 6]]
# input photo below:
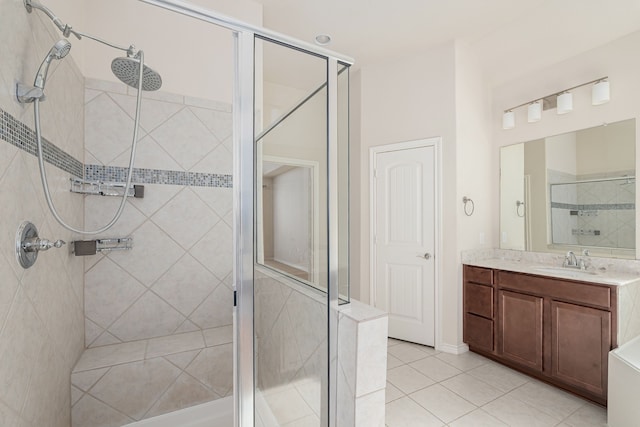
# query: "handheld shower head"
[[128, 70], [58, 51]]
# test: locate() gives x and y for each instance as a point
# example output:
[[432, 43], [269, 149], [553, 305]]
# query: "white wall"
[[474, 171], [292, 226], [561, 153], [193, 57], [618, 60], [592, 160], [418, 97], [403, 100], [511, 190]]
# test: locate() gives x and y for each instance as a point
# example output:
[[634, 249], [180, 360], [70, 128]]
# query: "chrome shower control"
[[28, 244], [36, 244]]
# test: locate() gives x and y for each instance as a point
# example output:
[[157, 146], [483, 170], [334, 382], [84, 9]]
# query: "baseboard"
[[453, 349]]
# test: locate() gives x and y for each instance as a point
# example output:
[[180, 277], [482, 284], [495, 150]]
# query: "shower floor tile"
[[150, 377]]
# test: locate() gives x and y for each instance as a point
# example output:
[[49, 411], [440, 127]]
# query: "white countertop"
[[590, 275]]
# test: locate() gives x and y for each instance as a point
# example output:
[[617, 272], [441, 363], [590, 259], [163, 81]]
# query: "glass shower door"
[[291, 277]]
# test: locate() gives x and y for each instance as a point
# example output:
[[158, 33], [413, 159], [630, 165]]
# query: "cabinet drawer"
[[478, 332], [478, 299], [579, 292], [478, 275]]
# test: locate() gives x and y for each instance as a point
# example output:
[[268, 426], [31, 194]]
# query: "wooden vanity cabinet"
[[558, 330], [479, 311]]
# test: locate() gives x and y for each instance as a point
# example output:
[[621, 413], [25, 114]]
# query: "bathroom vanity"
[[555, 324]]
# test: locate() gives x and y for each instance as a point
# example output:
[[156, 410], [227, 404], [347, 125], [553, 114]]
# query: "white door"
[[404, 241]]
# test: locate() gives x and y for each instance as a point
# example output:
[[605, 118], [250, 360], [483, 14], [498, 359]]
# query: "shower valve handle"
[[36, 244]]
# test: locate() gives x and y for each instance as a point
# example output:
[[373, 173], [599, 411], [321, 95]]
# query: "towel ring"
[[466, 201], [518, 204]]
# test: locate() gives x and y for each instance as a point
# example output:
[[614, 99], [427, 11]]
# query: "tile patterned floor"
[[117, 384], [427, 388]]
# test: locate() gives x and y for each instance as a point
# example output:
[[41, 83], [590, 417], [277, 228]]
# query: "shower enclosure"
[[236, 258], [288, 229]]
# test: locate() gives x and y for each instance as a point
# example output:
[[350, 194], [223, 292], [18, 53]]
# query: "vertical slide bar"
[[332, 186], [243, 229]]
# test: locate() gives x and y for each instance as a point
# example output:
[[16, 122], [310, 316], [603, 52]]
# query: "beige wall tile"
[[40, 308], [185, 392], [144, 382], [91, 412], [174, 344], [217, 336]]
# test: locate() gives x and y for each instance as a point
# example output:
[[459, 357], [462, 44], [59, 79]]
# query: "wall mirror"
[[573, 191]]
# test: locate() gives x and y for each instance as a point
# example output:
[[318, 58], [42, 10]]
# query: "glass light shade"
[[508, 120], [600, 93], [565, 103], [534, 112]]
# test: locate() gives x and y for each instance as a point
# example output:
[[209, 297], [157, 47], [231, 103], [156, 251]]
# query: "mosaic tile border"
[[156, 176], [20, 135], [595, 207]]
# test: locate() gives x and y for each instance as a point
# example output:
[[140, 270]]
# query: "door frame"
[[436, 143]]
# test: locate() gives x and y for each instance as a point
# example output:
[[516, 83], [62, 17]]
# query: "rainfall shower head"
[[58, 51], [128, 69]]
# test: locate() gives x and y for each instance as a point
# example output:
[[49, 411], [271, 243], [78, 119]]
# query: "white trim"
[[439, 260], [453, 349], [436, 143], [315, 200]]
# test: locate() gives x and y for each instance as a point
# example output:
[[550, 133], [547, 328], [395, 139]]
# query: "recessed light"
[[323, 39]]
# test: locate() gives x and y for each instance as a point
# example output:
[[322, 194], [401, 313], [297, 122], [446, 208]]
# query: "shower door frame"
[[244, 197]]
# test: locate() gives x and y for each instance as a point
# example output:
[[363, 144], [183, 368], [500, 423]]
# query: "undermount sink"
[[565, 271]]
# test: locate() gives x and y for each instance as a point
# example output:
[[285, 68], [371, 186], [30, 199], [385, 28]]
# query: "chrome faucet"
[[570, 260]]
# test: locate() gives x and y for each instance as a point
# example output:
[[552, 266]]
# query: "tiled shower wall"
[[291, 350], [41, 320], [603, 211], [177, 278]]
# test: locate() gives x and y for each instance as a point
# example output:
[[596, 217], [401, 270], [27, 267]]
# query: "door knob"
[[427, 255]]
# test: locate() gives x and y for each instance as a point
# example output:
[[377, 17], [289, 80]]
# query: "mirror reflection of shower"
[[131, 70]]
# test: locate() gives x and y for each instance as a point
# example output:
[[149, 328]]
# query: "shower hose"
[[134, 143]]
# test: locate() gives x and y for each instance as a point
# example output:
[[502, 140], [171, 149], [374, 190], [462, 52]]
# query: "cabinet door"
[[520, 328], [581, 340]]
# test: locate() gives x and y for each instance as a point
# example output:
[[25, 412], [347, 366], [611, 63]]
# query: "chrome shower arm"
[[30, 4], [67, 30], [131, 50]]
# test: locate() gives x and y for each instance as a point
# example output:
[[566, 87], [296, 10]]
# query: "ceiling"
[[510, 37]]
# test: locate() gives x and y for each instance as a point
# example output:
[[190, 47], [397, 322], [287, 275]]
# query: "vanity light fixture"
[[562, 101], [508, 120], [534, 111], [565, 103], [600, 93]]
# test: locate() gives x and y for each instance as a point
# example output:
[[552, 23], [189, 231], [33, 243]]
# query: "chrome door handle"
[[427, 255]]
